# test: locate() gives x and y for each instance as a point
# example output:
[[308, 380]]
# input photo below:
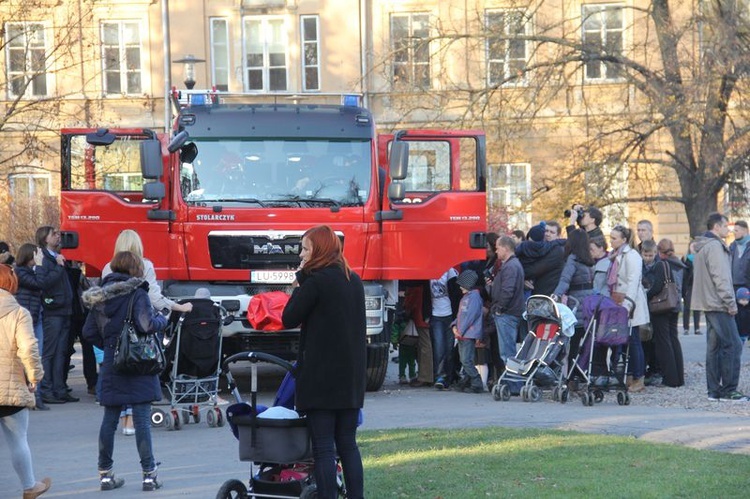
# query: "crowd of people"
[[483, 305], [46, 305]]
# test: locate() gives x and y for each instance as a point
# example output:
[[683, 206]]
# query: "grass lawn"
[[500, 462]]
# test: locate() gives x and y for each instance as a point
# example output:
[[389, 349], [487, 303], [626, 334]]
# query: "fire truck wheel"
[[377, 365]]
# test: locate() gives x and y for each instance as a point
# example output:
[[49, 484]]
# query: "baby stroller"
[[279, 450], [540, 362], [191, 376], [608, 326]]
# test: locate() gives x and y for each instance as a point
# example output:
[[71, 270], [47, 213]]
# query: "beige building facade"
[[416, 63]]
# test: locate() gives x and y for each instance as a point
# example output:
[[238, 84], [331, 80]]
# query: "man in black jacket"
[[57, 306]]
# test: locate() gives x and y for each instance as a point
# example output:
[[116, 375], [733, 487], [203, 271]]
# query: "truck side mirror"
[[396, 191], [101, 137], [178, 140], [154, 190], [151, 163], [399, 160]]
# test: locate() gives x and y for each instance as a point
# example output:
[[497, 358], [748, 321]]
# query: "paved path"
[[198, 459]]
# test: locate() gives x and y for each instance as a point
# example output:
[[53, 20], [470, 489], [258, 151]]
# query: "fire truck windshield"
[[278, 172]]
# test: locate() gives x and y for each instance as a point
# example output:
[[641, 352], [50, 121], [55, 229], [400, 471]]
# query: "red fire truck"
[[223, 200]]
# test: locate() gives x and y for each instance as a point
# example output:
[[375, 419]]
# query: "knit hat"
[[467, 279], [202, 293], [743, 294], [536, 233]]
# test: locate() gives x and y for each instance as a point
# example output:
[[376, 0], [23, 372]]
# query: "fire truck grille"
[[254, 252]]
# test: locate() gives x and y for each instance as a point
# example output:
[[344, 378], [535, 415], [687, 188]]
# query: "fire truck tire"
[[377, 365]]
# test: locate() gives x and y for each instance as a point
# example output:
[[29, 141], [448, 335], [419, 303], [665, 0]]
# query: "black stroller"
[[279, 450], [191, 377]]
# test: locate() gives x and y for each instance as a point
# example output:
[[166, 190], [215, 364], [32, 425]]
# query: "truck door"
[[102, 194], [444, 205]]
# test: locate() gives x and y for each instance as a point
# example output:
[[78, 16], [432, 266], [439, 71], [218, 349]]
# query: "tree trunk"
[[701, 204]]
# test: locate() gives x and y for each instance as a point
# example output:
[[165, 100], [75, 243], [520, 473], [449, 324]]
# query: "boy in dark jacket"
[[743, 313], [468, 329]]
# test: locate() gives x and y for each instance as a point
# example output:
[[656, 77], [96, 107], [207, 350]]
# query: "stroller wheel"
[[556, 393], [496, 393], [232, 489], [505, 392], [168, 420], [564, 393], [598, 396], [623, 398], [524, 394], [176, 419], [185, 413], [534, 394], [157, 418], [219, 417], [211, 418], [309, 492], [196, 414]]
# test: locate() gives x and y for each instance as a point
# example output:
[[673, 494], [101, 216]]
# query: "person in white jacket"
[[21, 373], [624, 281]]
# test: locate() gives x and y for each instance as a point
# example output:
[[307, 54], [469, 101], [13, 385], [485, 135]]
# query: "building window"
[[506, 58], [509, 200], [310, 53], [603, 32], [265, 44], [410, 46], [26, 59], [220, 54], [27, 186], [121, 54]]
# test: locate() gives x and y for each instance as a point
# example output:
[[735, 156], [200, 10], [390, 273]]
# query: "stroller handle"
[[255, 357]]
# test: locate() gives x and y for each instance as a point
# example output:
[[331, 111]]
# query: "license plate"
[[272, 276]]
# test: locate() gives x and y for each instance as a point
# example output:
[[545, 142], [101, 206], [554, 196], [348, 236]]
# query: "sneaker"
[[108, 481], [402, 380], [698, 331], [440, 384], [736, 396], [686, 332], [713, 397], [149, 481], [128, 431]]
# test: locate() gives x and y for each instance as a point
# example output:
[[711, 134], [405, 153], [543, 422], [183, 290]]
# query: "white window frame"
[[28, 60], [588, 11], [410, 64], [266, 68], [518, 208], [304, 43], [505, 60], [122, 47], [29, 178], [219, 44]]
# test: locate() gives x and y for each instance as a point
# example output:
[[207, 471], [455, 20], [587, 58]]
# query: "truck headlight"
[[373, 302]]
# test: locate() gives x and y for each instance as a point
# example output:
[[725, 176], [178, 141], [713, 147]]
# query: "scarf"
[[614, 268]]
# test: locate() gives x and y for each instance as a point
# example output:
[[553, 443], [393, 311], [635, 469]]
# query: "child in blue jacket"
[[467, 328]]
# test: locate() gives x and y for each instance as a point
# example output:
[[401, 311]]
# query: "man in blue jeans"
[[507, 298], [713, 294], [440, 328]]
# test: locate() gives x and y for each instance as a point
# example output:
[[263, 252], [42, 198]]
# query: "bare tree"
[[653, 94], [46, 46]]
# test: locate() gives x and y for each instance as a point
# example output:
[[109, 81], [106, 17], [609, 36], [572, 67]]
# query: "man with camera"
[[589, 219]]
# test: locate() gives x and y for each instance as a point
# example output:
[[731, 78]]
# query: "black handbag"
[[137, 354], [668, 299]]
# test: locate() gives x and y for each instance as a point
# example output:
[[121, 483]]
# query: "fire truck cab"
[[221, 203]]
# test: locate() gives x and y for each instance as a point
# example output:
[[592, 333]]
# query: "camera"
[[579, 212]]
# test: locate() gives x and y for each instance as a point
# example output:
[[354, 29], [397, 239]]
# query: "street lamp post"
[[189, 61]]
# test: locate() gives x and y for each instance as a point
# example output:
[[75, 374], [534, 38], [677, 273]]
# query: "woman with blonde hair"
[[21, 373], [129, 240]]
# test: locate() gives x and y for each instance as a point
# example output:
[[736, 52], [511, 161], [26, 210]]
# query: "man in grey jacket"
[[713, 294]]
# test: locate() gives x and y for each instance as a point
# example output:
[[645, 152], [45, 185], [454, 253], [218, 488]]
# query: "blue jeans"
[[723, 354], [55, 357], [507, 333], [142, 424], [335, 431], [637, 361], [442, 346], [15, 428], [467, 353]]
